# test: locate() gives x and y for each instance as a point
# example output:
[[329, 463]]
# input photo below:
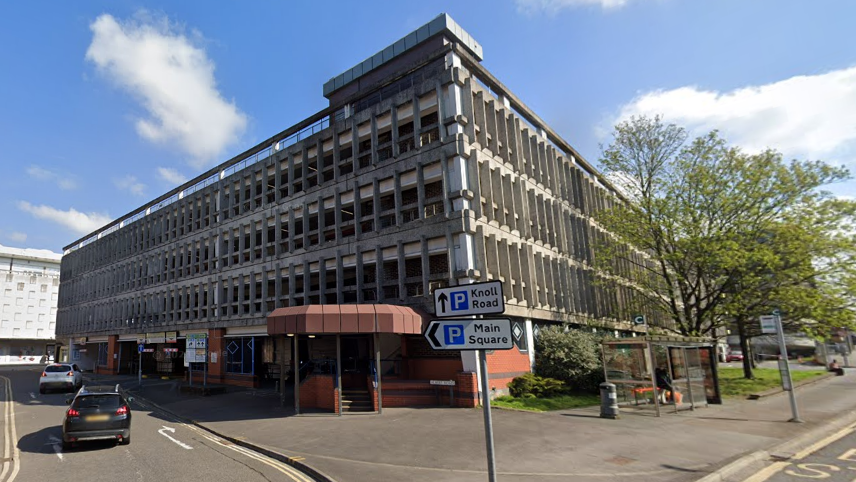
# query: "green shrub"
[[531, 386], [573, 357]]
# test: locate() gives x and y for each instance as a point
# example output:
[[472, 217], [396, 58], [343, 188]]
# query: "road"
[[161, 448], [832, 459]]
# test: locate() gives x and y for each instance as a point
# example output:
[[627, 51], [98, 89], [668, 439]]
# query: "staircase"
[[356, 400]]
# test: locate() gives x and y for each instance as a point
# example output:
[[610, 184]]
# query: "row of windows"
[[288, 233], [261, 293], [246, 192]]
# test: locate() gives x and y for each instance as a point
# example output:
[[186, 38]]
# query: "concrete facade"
[[29, 284], [424, 172]]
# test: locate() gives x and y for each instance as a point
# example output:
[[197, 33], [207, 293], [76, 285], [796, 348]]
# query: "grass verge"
[[546, 404], [732, 383]]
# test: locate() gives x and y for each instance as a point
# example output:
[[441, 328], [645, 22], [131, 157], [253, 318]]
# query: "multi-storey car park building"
[[29, 283], [424, 171]]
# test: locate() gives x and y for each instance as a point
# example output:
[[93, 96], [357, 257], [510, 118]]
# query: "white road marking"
[[10, 444], [57, 446], [32, 395], [180, 444]]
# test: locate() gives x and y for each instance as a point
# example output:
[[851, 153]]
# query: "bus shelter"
[[637, 365]]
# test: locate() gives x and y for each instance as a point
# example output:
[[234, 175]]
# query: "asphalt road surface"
[[832, 459], [161, 448]]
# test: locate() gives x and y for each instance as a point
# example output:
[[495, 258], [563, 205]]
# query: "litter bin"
[[608, 401]]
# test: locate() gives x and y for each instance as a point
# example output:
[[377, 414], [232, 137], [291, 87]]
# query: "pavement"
[[714, 443]]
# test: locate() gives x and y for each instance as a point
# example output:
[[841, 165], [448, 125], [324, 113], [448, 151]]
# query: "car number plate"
[[97, 418]]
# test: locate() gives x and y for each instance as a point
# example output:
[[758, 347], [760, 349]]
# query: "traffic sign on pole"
[[638, 319], [472, 299], [768, 324], [141, 347], [469, 334]]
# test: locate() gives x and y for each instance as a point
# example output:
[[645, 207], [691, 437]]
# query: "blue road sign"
[[140, 348]]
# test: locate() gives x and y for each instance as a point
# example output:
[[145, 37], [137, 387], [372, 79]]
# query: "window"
[[20, 286], [239, 355]]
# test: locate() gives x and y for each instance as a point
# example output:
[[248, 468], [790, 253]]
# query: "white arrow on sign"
[[470, 334], [180, 444]]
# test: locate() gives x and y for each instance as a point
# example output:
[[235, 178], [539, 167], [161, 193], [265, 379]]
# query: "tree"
[[726, 235], [573, 357]]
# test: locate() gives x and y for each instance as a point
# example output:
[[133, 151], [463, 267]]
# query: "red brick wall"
[[467, 392], [434, 368], [317, 392], [503, 366], [216, 344]]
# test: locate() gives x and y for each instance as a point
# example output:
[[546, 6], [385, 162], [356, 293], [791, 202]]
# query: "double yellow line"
[[11, 456]]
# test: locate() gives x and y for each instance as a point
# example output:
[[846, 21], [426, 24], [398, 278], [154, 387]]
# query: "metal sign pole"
[[140, 368], [488, 422], [786, 372]]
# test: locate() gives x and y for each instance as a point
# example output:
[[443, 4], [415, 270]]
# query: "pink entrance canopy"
[[332, 319]]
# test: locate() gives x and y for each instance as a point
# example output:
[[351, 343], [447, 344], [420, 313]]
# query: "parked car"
[[66, 376], [97, 413], [735, 355]]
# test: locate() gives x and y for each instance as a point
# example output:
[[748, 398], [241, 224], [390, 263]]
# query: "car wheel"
[[66, 446], [42, 390], [126, 441]]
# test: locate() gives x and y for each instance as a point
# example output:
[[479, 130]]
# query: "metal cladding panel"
[[367, 319], [350, 319], [377, 60], [348, 76], [410, 40], [398, 48], [367, 64], [332, 319], [388, 54], [386, 318], [422, 33]]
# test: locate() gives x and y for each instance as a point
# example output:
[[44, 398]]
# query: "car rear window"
[[57, 368], [98, 401]]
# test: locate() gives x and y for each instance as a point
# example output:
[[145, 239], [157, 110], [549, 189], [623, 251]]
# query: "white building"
[[29, 285]]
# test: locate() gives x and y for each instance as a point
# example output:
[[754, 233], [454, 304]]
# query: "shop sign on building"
[[172, 337], [159, 337]]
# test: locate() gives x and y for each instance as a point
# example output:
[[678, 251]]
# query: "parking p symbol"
[[460, 300], [454, 334]]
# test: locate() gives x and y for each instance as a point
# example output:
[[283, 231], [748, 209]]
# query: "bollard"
[[608, 401]]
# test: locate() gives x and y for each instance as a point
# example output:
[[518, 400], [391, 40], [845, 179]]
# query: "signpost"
[[472, 334], [140, 349], [638, 319], [195, 352], [473, 299], [784, 368]]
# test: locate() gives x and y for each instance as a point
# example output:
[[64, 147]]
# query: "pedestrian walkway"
[[448, 444]]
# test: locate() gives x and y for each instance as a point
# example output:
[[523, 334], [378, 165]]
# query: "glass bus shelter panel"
[[627, 363], [707, 355], [696, 377]]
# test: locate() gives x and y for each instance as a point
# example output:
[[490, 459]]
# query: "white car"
[[65, 376]]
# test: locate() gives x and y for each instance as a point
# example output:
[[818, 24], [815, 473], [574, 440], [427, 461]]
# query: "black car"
[[97, 413]]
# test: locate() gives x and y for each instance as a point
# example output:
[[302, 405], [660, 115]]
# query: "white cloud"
[[810, 116], [62, 180], [173, 80], [131, 184], [171, 176], [17, 237], [553, 6], [82, 223]]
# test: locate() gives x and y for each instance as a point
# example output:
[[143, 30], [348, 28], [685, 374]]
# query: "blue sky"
[[106, 105]]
